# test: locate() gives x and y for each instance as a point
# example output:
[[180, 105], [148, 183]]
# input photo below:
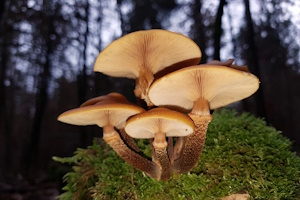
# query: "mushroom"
[[139, 55], [111, 113], [117, 97], [159, 123], [197, 89]]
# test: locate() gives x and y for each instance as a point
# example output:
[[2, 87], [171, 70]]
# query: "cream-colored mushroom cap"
[[219, 85], [172, 123], [101, 114], [149, 50]]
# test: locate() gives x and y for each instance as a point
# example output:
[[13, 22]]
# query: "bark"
[[218, 30], [253, 63]]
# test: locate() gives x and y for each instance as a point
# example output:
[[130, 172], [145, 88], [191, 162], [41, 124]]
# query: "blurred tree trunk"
[[3, 60], [253, 64], [5, 125], [43, 83], [276, 52], [82, 83], [218, 30], [121, 17], [198, 29], [102, 83], [144, 12], [233, 39]]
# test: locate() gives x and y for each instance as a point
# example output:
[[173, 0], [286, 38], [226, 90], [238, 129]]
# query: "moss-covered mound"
[[241, 155]]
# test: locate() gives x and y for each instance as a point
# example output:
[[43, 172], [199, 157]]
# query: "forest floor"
[[16, 187]]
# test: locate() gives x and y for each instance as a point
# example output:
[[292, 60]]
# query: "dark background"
[[48, 48]]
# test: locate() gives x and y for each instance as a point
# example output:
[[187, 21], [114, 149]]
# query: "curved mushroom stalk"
[[193, 146], [112, 137], [129, 141], [194, 142], [178, 147]]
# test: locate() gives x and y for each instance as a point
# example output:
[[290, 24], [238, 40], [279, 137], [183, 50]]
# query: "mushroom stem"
[[112, 137], [170, 148], [194, 142], [178, 148], [129, 140], [201, 107], [160, 146], [142, 85], [193, 146], [153, 154]]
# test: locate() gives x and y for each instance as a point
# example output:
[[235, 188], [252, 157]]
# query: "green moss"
[[241, 154]]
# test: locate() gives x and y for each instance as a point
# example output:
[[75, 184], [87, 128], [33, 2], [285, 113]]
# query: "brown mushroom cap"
[[229, 63], [150, 50], [102, 113], [111, 96], [172, 123], [219, 85]]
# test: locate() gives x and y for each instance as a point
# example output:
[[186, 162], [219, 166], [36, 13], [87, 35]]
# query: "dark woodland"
[[48, 49]]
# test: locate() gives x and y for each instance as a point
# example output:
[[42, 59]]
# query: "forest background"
[[48, 49]]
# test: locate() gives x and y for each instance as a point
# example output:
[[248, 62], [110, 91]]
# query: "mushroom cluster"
[[179, 95]]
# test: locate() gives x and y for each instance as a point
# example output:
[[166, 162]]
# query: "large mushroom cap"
[[150, 50], [219, 85], [101, 114], [172, 123]]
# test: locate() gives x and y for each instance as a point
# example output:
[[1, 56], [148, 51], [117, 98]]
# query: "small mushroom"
[[197, 89], [116, 97], [160, 123], [111, 113], [140, 55]]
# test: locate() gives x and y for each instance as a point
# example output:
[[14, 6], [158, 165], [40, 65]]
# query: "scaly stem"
[[129, 141], [164, 162], [112, 137], [160, 147], [194, 142]]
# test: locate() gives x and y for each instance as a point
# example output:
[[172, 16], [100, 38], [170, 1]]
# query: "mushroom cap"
[[148, 50], [114, 96], [102, 113], [229, 63], [219, 85], [172, 123]]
